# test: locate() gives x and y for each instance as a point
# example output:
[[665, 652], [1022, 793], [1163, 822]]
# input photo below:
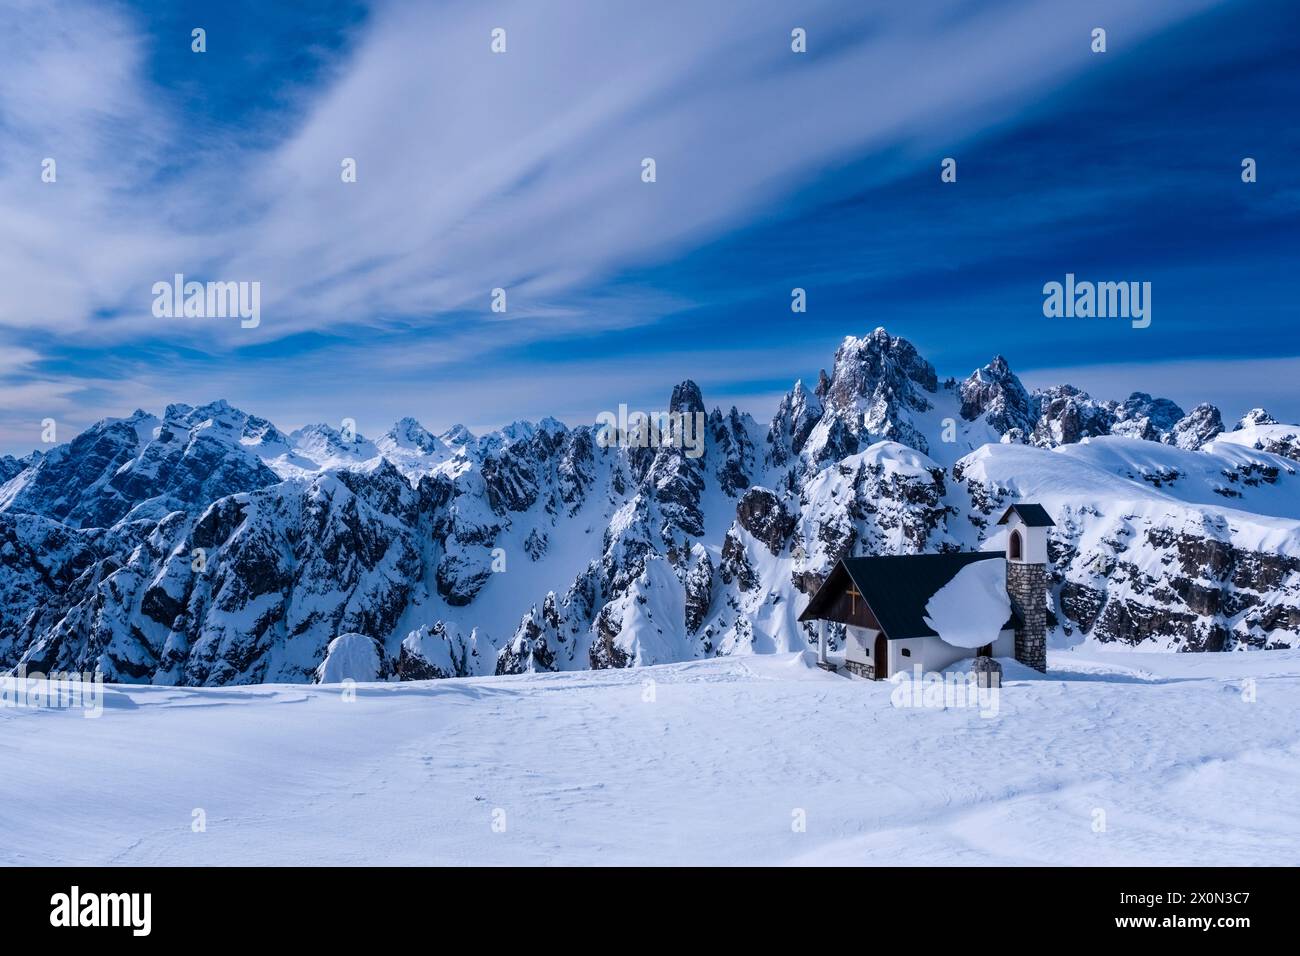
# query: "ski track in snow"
[[1185, 770]]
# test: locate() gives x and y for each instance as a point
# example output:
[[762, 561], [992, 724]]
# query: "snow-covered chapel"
[[933, 610]]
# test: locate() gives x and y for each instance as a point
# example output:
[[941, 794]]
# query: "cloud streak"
[[476, 170], [481, 170]]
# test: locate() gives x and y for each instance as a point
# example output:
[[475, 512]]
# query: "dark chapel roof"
[[896, 588]]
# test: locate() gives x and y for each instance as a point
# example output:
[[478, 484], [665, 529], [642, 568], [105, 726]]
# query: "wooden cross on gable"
[[854, 594]]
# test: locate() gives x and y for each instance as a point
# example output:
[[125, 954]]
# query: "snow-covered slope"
[[208, 547], [1258, 429], [1144, 553], [1131, 759]]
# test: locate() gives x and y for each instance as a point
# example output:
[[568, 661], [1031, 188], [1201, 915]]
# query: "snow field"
[[713, 761]]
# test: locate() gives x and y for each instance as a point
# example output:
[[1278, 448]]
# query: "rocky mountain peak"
[[1141, 416], [673, 477], [1201, 425], [10, 466], [878, 382], [686, 398], [458, 436], [409, 433], [552, 426], [796, 416], [995, 391], [1256, 416], [880, 367], [1066, 415], [684, 556], [223, 421]]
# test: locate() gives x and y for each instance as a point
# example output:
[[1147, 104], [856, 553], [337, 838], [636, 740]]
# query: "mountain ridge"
[[209, 547]]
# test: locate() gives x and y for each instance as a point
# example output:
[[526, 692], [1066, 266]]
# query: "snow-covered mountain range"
[[206, 546]]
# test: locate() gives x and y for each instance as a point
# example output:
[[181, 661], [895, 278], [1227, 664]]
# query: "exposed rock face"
[[605, 650], [1218, 597], [437, 652], [1256, 416], [878, 384], [799, 412], [1159, 419], [462, 572], [148, 468], [207, 547], [674, 479], [574, 472], [1277, 439], [413, 665], [69, 484], [532, 647], [547, 467], [1201, 426], [735, 565], [1160, 575], [646, 624], [41, 563], [698, 587], [763, 515], [1151, 419], [283, 569], [887, 500], [995, 392], [197, 456], [686, 399], [1067, 415], [734, 450], [535, 544], [11, 467], [410, 433]]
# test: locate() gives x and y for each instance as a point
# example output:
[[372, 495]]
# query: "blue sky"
[[522, 170]]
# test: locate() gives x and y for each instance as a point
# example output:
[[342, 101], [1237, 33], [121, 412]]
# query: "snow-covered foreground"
[[719, 765]]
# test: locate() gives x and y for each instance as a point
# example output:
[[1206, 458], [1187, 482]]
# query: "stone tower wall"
[[1027, 588]]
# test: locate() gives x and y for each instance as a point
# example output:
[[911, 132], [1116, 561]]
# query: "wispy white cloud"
[[478, 170]]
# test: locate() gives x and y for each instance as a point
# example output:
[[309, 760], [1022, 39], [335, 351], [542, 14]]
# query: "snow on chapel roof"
[[898, 588], [973, 607]]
